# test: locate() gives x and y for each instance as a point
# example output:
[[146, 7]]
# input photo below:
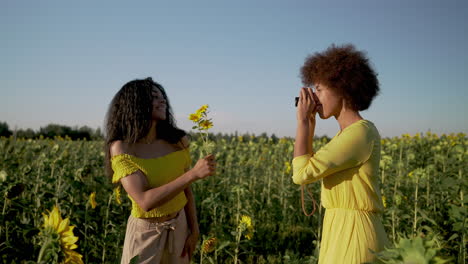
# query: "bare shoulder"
[[118, 147]]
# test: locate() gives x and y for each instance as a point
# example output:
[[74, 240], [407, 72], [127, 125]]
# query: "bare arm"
[[136, 184], [148, 198], [191, 211], [305, 123]]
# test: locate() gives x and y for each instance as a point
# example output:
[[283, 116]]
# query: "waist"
[[160, 219], [355, 210], [170, 207]]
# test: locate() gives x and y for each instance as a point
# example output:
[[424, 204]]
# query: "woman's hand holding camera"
[[307, 105]]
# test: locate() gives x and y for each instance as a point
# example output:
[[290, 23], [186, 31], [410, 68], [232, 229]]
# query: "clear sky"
[[62, 61]]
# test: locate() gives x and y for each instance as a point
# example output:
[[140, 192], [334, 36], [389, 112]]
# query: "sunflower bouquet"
[[202, 124]]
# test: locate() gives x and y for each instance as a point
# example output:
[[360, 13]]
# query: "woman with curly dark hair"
[[148, 155], [348, 165]]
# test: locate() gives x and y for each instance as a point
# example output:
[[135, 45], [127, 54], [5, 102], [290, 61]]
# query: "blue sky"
[[62, 61]]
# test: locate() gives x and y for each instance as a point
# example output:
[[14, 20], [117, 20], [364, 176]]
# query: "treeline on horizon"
[[53, 131]]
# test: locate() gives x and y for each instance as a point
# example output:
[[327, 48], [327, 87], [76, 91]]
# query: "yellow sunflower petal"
[[72, 257], [55, 218], [92, 199], [69, 240], [46, 220], [63, 226], [194, 117]]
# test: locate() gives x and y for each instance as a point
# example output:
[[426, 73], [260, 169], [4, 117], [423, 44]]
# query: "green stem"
[[320, 224], [462, 245], [4, 206], [236, 251], [105, 228], [85, 247], [395, 186], [43, 249], [416, 206]]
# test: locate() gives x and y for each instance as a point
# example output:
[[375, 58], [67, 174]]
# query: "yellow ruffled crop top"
[[158, 171]]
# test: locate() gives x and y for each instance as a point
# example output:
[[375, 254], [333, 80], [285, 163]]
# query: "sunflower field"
[[59, 207]]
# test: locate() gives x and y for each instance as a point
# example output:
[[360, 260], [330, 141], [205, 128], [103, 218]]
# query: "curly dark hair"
[[129, 117], [345, 70]]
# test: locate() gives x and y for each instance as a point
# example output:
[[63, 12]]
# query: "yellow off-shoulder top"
[[158, 171]]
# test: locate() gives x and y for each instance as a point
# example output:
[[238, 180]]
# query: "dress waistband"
[[353, 210]]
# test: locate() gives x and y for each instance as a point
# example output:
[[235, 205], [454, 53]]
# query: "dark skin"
[[327, 103]]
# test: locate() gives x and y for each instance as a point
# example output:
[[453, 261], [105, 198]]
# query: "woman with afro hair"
[[344, 84], [148, 155]]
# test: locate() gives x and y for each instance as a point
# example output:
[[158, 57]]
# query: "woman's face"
[[329, 102], [159, 105]]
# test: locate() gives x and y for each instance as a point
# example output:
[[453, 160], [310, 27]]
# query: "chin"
[[323, 116]]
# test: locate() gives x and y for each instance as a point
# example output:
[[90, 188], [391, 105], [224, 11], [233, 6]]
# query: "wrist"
[[191, 176], [195, 232], [303, 122]]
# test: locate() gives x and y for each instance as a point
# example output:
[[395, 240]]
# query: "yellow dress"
[[349, 167]]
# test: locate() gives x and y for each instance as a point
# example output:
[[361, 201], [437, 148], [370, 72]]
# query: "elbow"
[[144, 206], [144, 203], [297, 180]]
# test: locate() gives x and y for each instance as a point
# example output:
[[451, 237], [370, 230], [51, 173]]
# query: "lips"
[[161, 109]]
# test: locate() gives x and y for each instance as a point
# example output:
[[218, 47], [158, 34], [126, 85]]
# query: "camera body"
[[315, 98]]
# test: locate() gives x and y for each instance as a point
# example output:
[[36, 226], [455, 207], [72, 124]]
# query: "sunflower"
[[58, 237], [245, 219], [206, 124], [92, 200], [202, 109], [117, 195], [384, 201], [209, 245], [246, 225], [195, 117], [287, 167]]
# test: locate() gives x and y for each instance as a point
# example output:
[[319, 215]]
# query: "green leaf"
[[134, 260]]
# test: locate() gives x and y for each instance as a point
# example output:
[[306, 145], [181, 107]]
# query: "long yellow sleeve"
[[348, 149]]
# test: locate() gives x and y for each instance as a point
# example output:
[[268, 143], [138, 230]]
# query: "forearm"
[[191, 211], [155, 197], [310, 141], [304, 138]]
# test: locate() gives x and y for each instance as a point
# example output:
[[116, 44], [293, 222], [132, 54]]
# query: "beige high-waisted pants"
[[156, 242]]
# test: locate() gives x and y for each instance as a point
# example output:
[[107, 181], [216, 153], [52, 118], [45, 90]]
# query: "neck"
[[151, 137], [347, 117]]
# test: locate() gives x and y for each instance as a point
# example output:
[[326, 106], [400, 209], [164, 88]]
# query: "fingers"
[[206, 166], [188, 250], [210, 157], [310, 93], [211, 161], [305, 96], [184, 251]]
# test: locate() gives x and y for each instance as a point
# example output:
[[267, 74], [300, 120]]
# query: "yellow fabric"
[[349, 167], [158, 171]]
